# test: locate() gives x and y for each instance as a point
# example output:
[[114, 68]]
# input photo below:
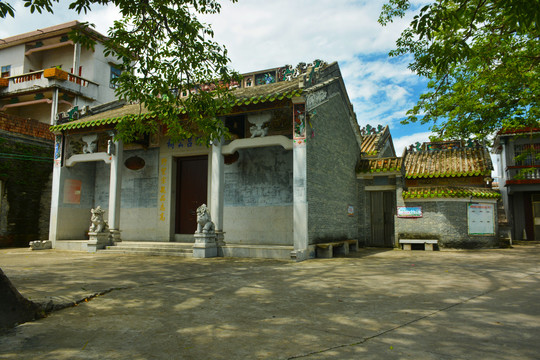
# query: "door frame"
[[388, 218], [174, 188]]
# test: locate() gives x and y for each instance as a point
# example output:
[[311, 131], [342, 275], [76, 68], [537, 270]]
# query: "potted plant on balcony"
[[55, 73]]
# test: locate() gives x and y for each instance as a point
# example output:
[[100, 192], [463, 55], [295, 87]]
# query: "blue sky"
[[262, 34]]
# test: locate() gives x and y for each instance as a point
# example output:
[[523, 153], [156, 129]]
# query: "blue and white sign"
[[409, 212]]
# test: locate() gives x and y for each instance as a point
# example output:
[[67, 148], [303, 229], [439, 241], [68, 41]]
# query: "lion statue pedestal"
[[99, 232], [205, 237]]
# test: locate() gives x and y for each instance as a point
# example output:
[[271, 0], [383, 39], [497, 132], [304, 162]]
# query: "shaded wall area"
[[332, 154], [25, 172]]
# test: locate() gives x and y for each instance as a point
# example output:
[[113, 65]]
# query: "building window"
[[115, 74], [527, 154], [6, 71]]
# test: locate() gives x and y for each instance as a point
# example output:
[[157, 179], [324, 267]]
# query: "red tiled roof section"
[[520, 130], [380, 165], [448, 163]]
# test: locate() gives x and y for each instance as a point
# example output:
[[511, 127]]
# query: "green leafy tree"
[[164, 52], [481, 60]]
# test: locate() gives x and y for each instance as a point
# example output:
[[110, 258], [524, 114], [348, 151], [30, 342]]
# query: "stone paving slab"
[[374, 304]]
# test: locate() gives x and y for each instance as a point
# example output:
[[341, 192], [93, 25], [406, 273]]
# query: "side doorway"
[[535, 204], [383, 205], [191, 191]]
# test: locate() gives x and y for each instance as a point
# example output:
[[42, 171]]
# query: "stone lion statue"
[[258, 130], [204, 221], [98, 223]]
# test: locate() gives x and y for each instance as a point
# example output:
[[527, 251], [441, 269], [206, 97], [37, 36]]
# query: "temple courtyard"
[[373, 304]]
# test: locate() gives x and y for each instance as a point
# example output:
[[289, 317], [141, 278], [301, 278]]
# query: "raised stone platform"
[[258, 251], [151, 248]]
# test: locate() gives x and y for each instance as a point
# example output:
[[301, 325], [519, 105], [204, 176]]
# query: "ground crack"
[[52, 306], [393, 328]]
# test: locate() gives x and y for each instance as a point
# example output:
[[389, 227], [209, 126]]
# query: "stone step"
[[151, 248], [152, 244], [258, 251], [148, 251]]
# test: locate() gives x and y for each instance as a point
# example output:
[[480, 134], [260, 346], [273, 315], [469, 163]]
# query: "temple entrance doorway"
[[191, 191]]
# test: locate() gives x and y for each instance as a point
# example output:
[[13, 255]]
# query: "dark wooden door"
[[382, 219], [191, 191]]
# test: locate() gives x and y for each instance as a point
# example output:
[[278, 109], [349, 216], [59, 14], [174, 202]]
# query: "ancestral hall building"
[[297, 174], [284, 182]]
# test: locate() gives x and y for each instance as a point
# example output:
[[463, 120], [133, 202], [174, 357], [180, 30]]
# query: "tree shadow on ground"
[[434, 305]]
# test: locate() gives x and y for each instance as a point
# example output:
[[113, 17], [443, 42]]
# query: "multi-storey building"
[[519, 182], [45, 77], [43, 72]]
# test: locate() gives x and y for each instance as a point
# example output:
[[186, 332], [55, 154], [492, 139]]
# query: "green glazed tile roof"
[[374, 143], [449, 192], [379, 165], [447, 163], [244, 96]]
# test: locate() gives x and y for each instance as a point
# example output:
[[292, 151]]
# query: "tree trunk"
[[14, 308]]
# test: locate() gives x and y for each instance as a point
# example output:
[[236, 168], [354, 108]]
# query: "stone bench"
[[342, 247], [428, 243]]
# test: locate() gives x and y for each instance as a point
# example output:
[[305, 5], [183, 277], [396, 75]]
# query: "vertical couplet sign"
[[481, 218], [299, 124], [162, 188]]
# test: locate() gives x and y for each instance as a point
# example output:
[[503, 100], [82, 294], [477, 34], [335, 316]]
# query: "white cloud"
[[404, 141], [263, 34]]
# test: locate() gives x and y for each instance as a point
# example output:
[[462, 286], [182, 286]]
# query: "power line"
[[25, 157]]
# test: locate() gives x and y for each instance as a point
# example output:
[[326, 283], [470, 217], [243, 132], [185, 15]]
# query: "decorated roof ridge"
[[389, 164], [449, 192], [117, 115], [373, 139], [447, 163]]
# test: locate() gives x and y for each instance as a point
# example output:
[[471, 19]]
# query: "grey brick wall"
[[260, 177], [446, 221], [332, 154], [364, 214]]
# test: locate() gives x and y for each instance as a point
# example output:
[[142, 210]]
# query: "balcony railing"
[[523, 174], [40, 80]]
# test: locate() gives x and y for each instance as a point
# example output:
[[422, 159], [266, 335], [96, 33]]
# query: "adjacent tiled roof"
[[449, 192], [107, 117], [380, 165], [447, 163], [519, 130], [262, 93], [372, 144], [244, 96]]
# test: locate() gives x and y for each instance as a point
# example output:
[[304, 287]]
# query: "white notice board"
[[481, 219]]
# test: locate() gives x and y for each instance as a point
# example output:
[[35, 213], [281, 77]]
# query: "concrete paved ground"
[[481, 304]]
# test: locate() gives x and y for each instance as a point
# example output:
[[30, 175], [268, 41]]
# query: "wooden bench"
[[428, 243], [342, 247]]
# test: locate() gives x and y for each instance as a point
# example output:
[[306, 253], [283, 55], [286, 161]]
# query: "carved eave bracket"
[[101, 156], [275, 140]]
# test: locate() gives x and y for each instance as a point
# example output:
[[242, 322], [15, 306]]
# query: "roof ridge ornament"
[[287, 72], [371, 130]]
